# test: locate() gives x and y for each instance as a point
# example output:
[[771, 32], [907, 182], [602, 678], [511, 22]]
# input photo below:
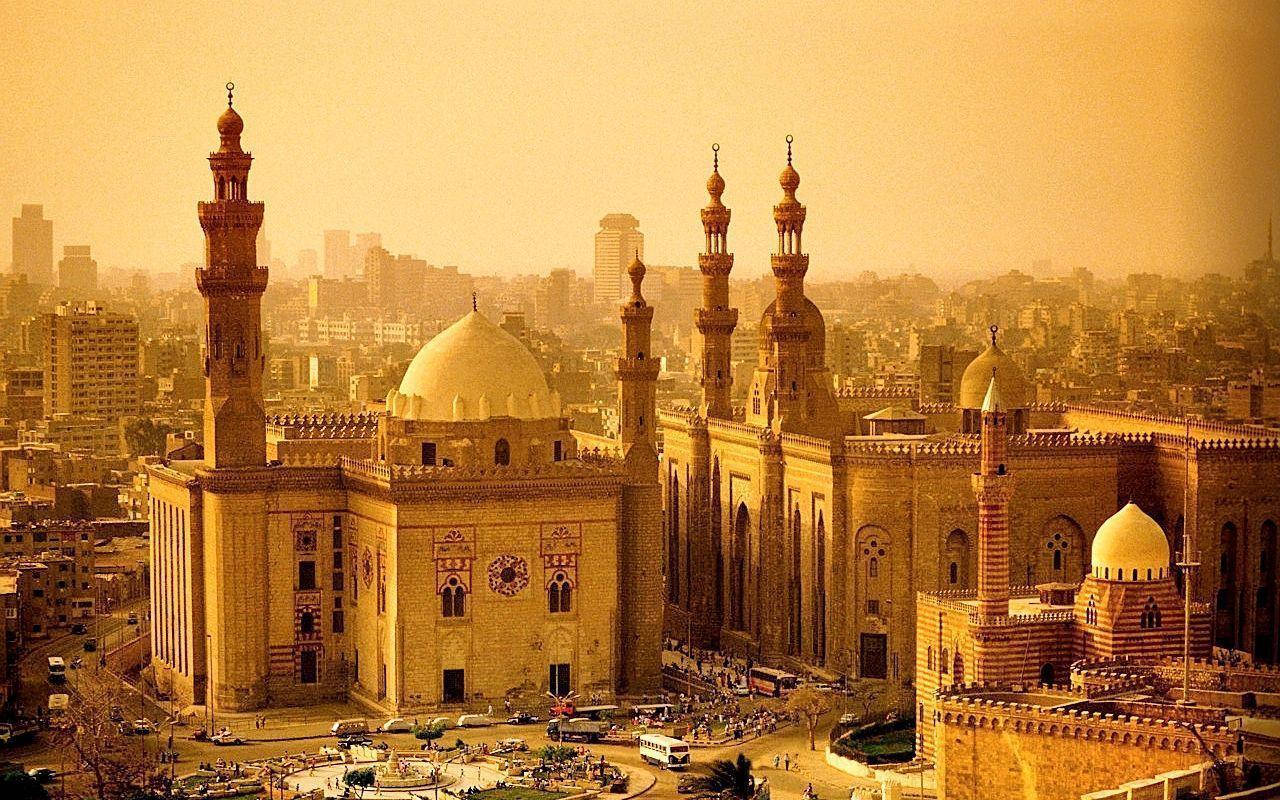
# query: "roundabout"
[[397, 778]]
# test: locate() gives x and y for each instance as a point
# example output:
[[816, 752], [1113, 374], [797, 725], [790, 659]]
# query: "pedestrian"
[[786, 761], [775, 760]]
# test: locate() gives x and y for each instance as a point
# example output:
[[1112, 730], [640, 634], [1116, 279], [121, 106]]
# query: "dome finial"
[[475, 302], [231, 87], [790, 139], [715, 157], [994, 329]]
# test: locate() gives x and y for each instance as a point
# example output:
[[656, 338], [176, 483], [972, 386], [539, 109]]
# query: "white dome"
[[1130, 546], [473, 370]]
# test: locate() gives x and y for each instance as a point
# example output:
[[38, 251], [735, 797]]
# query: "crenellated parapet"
[[1161, 727], [323, 426], [877, 393]]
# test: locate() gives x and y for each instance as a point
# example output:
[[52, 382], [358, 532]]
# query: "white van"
[[344, 727], [396, 725], [474, 721], [664, 751]]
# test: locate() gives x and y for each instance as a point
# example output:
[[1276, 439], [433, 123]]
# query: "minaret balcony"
[[717, 265], [716, 320], [229, 279], [638, 369]]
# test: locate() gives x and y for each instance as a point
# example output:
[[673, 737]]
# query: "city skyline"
[[935, 142]]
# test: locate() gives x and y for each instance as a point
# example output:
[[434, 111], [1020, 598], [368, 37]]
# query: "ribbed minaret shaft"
[[993, 488]]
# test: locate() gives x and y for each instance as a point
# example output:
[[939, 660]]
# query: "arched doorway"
[[1225, 617], [1046, 675]]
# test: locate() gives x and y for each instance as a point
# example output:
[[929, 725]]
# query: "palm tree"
[[733, 777]]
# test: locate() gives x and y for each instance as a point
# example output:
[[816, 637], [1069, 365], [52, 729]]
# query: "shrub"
[[359, 777]]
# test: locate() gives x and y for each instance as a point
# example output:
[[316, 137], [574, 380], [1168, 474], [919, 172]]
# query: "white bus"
[[57, 670], [663, 750]]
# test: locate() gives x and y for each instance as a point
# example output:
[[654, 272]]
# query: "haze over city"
[[1139, 136]]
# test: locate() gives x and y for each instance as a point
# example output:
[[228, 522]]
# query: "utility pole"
[[1188, 561]]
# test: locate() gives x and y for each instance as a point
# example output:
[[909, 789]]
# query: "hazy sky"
[[1119, 136]]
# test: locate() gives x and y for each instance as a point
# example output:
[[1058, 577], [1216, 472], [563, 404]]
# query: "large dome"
[[976, 380], [1130, 546], [473, 370]]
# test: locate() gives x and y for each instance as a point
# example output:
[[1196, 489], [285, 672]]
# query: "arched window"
[[755, 402], [957, 672], [873, 568], [953, 574], [501, 453], [559, 595], [307, 623], [929, 652], [1091, 613], [1057, 560], [1151, 614], [942, 665], [453, 599]]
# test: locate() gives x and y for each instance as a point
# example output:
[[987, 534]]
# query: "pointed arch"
[[738, 572]]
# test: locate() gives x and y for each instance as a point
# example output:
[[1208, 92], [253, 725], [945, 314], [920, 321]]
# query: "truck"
[[577, 729]]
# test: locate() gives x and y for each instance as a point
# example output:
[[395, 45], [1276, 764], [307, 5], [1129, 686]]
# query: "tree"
[[733, 777], [361, 779], [118, 767], [866, 693], [144, 437], [809, 705], [19, 785]]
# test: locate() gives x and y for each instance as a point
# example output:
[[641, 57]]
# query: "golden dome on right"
[[993, 363]]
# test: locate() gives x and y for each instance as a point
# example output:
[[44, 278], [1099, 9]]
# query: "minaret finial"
[[993, 329], [715, 159], [789, 141], [231, 87], [475, 303]]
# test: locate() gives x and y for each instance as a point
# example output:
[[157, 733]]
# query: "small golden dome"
[[715, 186], [1130, 545], [230, 123], [790, 179], [993, 364]]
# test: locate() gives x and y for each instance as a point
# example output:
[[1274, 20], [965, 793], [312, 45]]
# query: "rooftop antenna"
[[1187, 562]]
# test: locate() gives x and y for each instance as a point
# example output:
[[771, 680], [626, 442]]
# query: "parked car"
[[42, 775], [133, 618], [396, 725], [143, 726], [225, 738], [523, 718], [848, 719], [354, 740], [90, 644], [474, 721], [79, 628], [742, 690]]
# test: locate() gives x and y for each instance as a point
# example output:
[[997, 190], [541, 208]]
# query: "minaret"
[[232, 284], [715, 319], [787, 329], [993, 488], [637, 369], [640, 527]]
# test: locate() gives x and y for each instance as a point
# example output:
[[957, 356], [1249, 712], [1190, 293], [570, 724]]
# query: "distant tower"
[[232, 284], [618, 239], [640, 556], [715, 319], [993, 488], [33, 245]]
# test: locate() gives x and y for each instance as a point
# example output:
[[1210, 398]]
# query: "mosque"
[[801, 528], [454, 548]]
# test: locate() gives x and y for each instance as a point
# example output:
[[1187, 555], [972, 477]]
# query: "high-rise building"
[[90, 358], [618, 243], [337, 254], [77, 271], [33, 245], [365, 242], [308, 263]]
